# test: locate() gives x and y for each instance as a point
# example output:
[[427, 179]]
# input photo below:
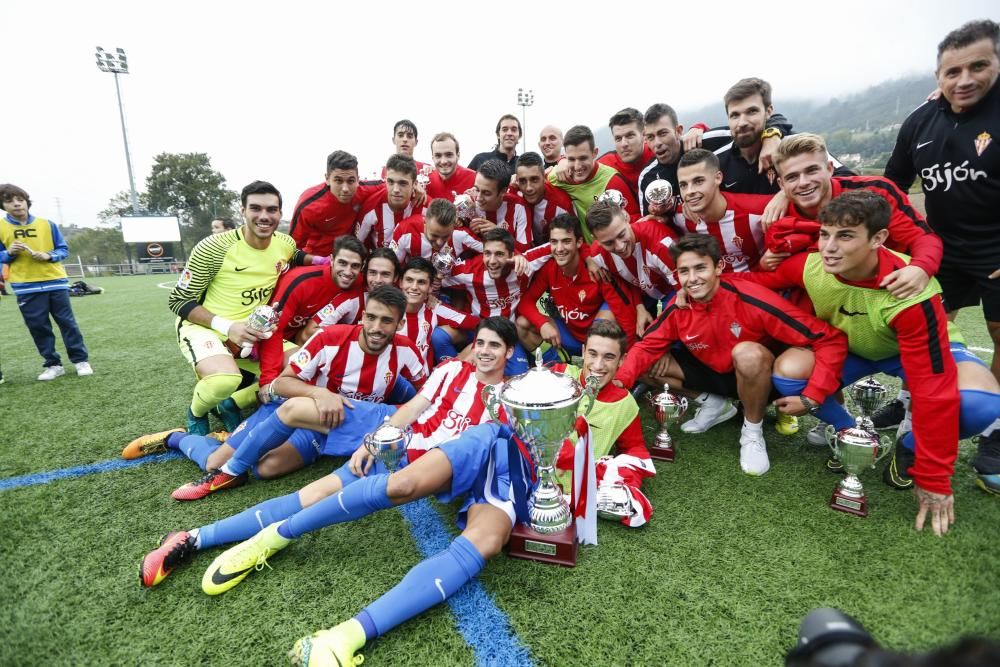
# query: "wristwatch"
[[811, 405], [770, 132]]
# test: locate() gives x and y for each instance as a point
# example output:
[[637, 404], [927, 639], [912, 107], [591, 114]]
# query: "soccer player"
[[348, 307], [385, 209], [449, 402], [806, 177], [578, 301], [639, 254], [494, 282], [226, 277], [543, 200], [722, 344], [664, 135], [586, 180], [449, 178], [950, 144], [300, 294], [34, 249], [422, 318], [953, 394], [427, 234], [508, 132], [501, 209], [631, 153], [616, 431], [327, 211], [733, 219], [338, 366], [550, 143]]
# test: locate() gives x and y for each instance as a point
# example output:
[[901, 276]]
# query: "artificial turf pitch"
[[722, 575]]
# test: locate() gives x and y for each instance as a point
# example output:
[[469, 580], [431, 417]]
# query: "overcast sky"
[[268, 89]]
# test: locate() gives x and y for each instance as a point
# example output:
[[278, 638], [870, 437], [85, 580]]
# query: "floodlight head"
[[116, 63]]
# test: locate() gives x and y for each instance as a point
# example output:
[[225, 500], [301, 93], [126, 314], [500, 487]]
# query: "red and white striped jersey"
[[456, 397], [377, 221], [512, 215], [490, 297], [419, 325], [650, 267], [739, 232], [345, 308], [333, 359], [408, 240], [552, 203]]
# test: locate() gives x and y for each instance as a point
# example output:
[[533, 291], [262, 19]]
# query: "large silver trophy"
[[466, 208], [542, 407], [263, 319], [858, 447], [613, 196], [668, 408], [388, 444]]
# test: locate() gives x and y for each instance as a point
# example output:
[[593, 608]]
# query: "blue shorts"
[[358, 422], [856, 367], [307, 443], [479, 470], [566, 338]]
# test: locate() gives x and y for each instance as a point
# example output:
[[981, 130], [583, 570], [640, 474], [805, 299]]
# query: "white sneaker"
[[713, 410], [816, 436], [83, 368], [753, 452], [905, 426], [52, 372]]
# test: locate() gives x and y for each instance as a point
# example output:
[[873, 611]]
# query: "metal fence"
[[82, 270]]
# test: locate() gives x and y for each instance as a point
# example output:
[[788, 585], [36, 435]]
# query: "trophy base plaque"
[[554, 548], [842, 502], [660, 453]]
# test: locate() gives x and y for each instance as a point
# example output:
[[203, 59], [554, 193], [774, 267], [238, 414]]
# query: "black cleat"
[[889, 415], [895, 474]]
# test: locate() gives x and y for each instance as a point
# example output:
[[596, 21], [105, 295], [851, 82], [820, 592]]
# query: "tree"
[[121, 204], [185, 185], [95, 246]]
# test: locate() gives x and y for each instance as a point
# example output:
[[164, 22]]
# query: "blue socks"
[[264, 437], [249, 522], [430, 582], [830, 411], [360, 499], [978, 409], [196, 447]]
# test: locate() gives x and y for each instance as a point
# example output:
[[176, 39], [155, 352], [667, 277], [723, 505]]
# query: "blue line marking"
[[79, 471], [485, 628]]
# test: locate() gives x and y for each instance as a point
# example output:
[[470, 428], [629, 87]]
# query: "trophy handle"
[[830, 433], [590, 393], [491, 399]]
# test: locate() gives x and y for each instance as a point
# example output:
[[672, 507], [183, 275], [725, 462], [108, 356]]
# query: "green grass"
[[722, 575]]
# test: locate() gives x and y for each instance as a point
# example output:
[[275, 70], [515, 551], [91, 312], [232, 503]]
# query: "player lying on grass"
[[954, 394], [726, 341], [448, 403], [340, 368]]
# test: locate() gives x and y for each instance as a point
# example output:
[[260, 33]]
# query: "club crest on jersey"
[[388, 377], [736, 329], [771, 175], [280, 267], [184, 279], [302, 357], [582, 294], [425, 326], [738, 242], [982, 142]]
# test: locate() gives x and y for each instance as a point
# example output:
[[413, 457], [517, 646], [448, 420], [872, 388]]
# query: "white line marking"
[[981, 349], [169, 285]]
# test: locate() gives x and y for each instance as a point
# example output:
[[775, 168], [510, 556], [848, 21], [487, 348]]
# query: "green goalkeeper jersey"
[[229, 277]]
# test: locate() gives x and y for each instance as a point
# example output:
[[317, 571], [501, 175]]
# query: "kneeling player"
[[725, 343], [615, 425], [578, 300], [448, 403], [953, 393]]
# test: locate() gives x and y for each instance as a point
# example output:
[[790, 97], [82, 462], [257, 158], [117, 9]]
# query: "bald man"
[[550, 142]]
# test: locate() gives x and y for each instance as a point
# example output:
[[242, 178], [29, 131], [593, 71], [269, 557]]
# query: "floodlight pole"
[[118, 64], [524, 100]]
